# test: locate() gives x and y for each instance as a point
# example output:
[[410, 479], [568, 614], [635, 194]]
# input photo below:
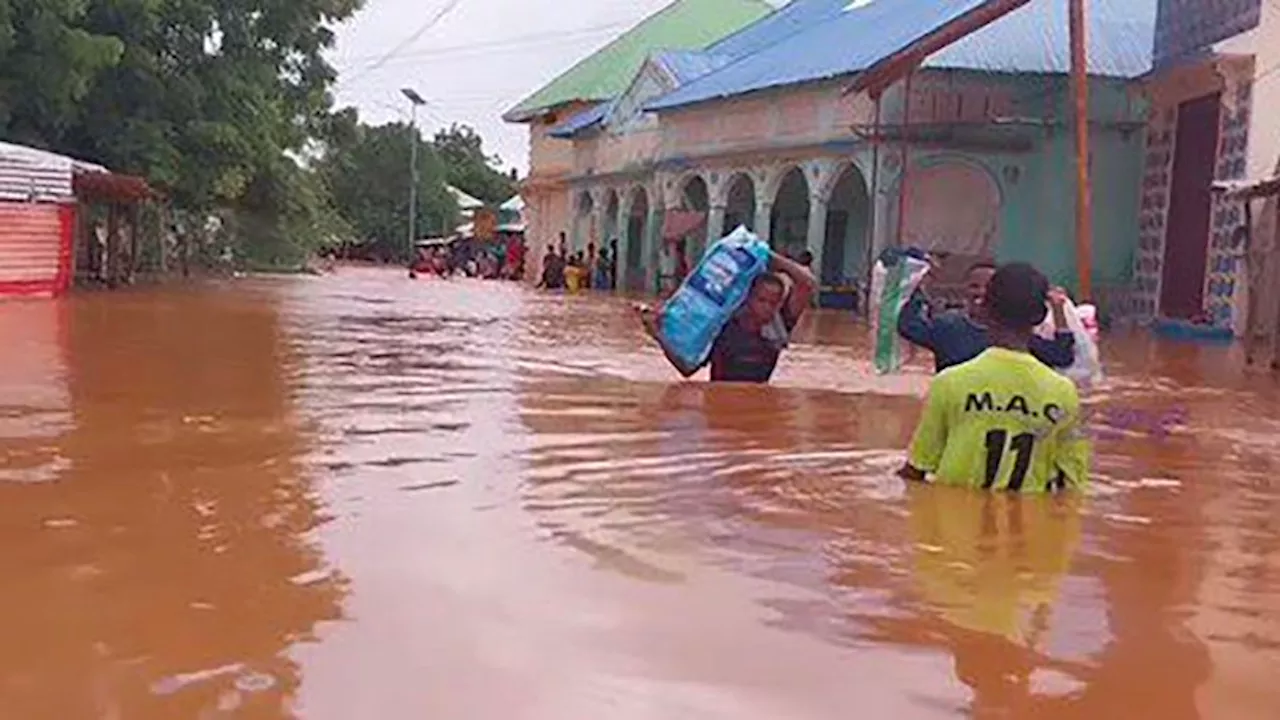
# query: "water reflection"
[[161, 570]]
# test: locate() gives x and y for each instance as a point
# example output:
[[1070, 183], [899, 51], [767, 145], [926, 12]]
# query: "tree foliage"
[[219, 103], [468, 167], [369, 172]]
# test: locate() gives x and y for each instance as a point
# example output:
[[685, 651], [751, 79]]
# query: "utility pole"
[[1084, 190], [415, 100]]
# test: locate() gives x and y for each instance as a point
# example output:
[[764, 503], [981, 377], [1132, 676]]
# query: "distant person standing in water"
[[1004, 420], [552, 271], [612, 267], [957, 336], [748, 348]]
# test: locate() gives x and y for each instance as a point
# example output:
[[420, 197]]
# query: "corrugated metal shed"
[[28, 174], [1032, 39], [684, 24], [34, 254]]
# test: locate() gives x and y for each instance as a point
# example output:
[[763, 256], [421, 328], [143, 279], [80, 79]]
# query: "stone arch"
[[612, 214], [739, 201], [584, 207], [636, 230], [846, 238], [695, 193], [611, 227], [789, 218]]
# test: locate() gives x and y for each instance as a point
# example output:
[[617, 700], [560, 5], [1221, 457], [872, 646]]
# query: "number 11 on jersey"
[[998, 443]]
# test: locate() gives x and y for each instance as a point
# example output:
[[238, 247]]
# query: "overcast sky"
[[478, 58]]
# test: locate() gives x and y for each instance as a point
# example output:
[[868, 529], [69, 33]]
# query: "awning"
[[679, 223]]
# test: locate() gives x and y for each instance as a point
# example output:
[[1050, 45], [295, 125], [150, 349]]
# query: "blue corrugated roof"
[[689, 65], [841, 39], [1036, 39], [795, 16], [583, 120]]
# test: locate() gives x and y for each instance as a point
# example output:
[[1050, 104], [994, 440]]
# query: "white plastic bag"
[[891, 289], [1086, 370]]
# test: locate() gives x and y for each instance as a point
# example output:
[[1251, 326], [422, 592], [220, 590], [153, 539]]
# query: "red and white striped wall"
[[35, 248]]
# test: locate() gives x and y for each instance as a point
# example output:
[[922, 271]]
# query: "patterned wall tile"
[[1224, 268], [1157, 178]]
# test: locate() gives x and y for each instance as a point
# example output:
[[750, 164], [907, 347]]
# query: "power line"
[[431, 22], [519, 42]]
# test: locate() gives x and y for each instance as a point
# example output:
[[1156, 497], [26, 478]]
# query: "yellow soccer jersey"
[[1003, 421]]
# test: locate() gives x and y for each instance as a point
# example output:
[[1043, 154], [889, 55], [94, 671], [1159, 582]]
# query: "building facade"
[[971, 156], [1215, 97]]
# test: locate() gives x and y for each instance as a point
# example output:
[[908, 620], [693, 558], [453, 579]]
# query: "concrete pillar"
[[653, 248], [715, 225], [817, 236], [764, 219]]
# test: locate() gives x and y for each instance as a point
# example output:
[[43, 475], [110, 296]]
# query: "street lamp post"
[[415, 100]]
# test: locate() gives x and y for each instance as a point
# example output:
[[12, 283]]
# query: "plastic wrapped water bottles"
[[1086, 370], [693, 317], [894, 279]]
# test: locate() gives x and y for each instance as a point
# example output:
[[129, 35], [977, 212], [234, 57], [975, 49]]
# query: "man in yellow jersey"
[[1004, 420]]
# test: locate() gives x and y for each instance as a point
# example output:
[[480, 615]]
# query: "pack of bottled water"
[[704, 303]]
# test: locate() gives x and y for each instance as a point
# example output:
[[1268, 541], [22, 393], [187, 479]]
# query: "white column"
[[624, 241], [764, 218], [653, 248], [715, 225], [817, 236]]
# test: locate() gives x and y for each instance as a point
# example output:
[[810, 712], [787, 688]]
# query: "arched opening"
[[740, 204], [694, 194], [583, 208], [688, 247], [789, 224], [952, 209], [844, 248], [612, 206], [637, 228]]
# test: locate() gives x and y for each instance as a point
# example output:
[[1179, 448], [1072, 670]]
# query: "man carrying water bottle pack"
[[748, 348]]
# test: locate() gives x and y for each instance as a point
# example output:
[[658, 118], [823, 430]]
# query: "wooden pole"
[[1084, 190], [906, 161]]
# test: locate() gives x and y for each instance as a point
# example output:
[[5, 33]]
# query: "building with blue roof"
[[970, 155]]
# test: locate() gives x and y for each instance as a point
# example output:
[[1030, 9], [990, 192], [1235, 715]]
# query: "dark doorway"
[[1186, 243]]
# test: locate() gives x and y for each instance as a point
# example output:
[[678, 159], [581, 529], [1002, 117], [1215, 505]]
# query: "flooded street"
[[359, 496]]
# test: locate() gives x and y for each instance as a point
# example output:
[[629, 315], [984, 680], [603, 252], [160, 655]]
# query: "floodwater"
[[360, 496]]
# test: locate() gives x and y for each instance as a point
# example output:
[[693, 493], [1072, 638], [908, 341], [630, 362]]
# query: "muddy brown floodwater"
[[360, 496]]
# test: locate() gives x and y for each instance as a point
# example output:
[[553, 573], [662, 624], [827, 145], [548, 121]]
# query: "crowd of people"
[[499, 260], [590, 270], [999, 415]]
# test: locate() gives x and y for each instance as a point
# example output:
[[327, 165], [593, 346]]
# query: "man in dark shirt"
[[552, 271], [957, 337], [748, 348]]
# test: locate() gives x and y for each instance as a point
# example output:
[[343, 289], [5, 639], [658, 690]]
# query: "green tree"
[[49, 61], [368, 171], [468, 168], [208, 99]]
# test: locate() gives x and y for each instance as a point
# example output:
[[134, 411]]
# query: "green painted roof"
[[682, 25]]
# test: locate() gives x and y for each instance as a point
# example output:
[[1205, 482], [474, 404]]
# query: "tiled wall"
[[1225, 267], [1157, 178]]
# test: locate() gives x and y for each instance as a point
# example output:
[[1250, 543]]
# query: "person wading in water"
[[1004, 421], [957, 336], [748, 348]]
